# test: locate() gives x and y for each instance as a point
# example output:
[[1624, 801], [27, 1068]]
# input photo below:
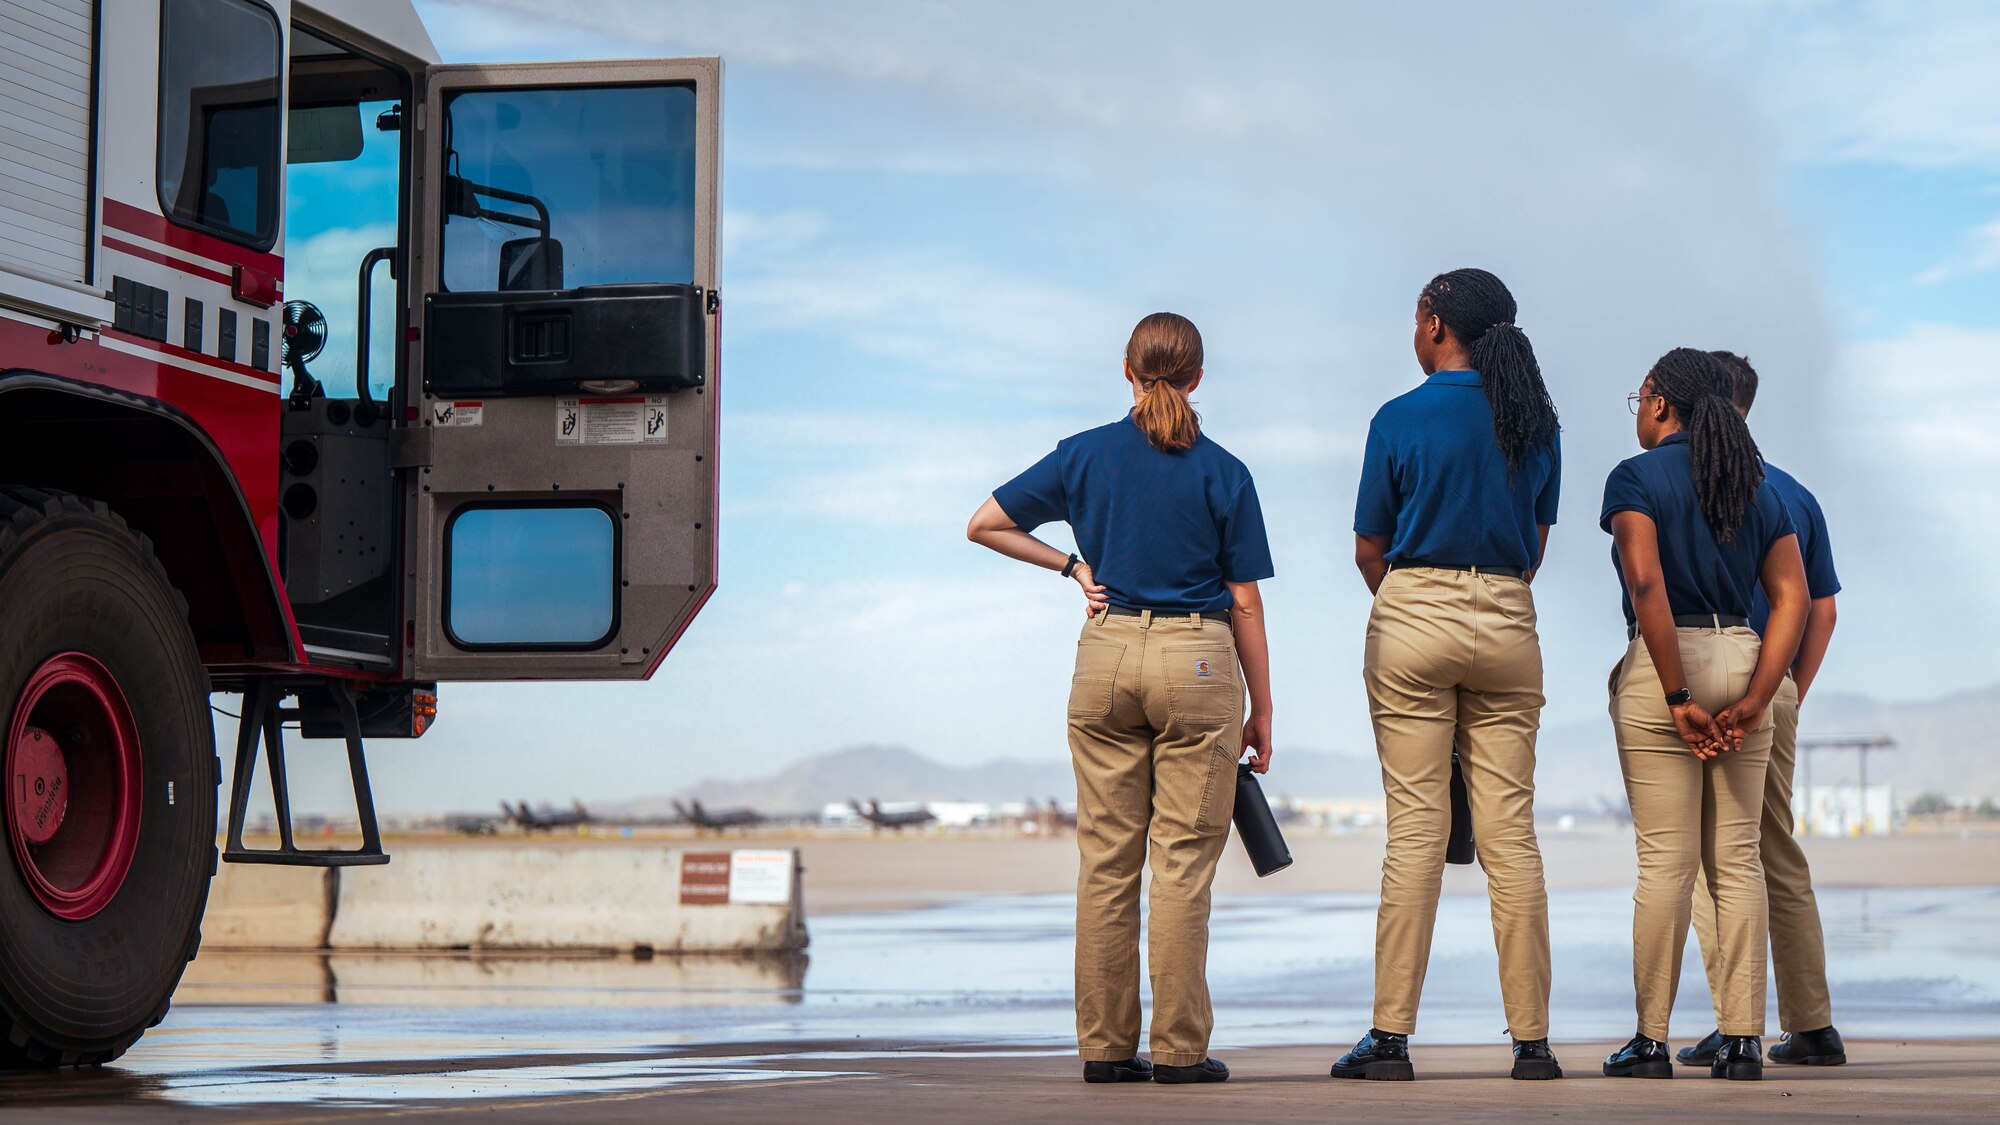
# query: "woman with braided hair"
[[1458, 489], [1694, 532]]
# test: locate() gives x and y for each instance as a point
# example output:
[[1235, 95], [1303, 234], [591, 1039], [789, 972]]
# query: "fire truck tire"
[[97, 659]]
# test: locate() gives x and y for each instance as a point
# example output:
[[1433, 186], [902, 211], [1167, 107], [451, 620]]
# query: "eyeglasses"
[[1633, 400]]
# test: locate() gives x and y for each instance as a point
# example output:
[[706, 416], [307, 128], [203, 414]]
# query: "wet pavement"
[[963, 1004]]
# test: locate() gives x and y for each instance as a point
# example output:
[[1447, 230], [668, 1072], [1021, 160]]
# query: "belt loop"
[[1196, 618], [1099, 617], [1145, 619], [1718, 621]]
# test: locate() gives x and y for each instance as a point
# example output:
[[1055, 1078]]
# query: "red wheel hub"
[[73, 785]]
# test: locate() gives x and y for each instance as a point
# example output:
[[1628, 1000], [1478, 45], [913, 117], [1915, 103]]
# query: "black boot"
[[1641, 1058], [1702, 1053], [1740, 1057], [1207, 1070], [1380, 1055], [1534, 1062], [1134, 1069], [1810, 1048]]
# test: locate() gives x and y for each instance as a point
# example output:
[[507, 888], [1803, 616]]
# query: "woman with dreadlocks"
[[1458, 491], [1694, 532]]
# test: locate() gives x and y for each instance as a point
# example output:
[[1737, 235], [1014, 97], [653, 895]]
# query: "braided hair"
[[1727, 467], [1479, 310]]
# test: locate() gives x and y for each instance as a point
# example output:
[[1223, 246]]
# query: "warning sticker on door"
[[636, 420], [457, 413]]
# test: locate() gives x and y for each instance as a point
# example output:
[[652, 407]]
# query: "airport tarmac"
[[962, 1011]]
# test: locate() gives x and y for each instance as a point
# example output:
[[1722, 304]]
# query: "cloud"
[[1979, 253]]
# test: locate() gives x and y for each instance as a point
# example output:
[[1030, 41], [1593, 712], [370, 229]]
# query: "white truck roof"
[[392, 23]]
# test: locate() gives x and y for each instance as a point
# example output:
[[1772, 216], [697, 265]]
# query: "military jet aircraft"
[[702, 819], [528, 820], [873, 814]]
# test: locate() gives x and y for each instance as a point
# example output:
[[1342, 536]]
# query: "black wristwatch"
[[1069, 568], [1685, 695]]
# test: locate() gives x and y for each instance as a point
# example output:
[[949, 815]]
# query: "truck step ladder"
[[262, 715]]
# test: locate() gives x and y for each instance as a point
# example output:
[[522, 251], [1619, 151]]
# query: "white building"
[[1843, 810]]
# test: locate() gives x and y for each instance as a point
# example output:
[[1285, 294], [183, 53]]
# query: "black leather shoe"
[[1810, 1048], [1380, 1056], [1134, 1069], [1534, 1062], [1740, 1057], [1641, 1058], [1702, 1053], [1208, 1070]]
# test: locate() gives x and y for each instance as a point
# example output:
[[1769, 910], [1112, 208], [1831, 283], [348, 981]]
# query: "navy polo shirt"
[[1814, 548], [1161, 531], [1702, 576], [1433, 479]]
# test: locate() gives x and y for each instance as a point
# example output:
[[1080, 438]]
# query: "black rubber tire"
[[74, 577]]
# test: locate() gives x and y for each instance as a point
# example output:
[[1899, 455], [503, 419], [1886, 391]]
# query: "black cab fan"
[[301, 339]]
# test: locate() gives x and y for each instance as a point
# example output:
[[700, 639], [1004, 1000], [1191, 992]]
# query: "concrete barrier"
[[258, 906], [551, 897]]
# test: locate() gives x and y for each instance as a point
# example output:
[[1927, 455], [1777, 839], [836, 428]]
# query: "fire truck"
[[328, 373]]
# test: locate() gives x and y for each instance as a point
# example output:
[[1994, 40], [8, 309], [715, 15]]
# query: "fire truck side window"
[[606, 174], [219, 124], [531, 575]]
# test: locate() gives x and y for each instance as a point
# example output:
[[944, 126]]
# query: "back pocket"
[[1096, 676], [1202, 682]]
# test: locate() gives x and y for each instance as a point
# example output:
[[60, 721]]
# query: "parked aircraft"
[[873, 814], [528, 820], [701, 818]]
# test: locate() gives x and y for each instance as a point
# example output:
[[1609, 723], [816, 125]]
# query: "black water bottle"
[[1257, 827], [1458, 847]]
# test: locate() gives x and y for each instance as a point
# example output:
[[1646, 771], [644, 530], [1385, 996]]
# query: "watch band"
[[1685, 695], [1069, 568]]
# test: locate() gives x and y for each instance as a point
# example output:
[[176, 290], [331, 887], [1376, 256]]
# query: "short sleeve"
[[1376, 507], [1036, 496], [1777, 515], [1547, 502], [1624, 492], [1821, 581], [1246, 551]]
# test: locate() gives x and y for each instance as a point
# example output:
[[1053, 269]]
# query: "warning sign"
[[457, 413], [705, 878], [760, 878], [636, 420]]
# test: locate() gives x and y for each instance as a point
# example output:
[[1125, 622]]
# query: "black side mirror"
[[530, 264]]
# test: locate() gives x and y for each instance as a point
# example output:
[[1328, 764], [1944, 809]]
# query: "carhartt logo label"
[[1203, 667]]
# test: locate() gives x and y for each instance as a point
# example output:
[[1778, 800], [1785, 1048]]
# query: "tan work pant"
[[1694, 821], [1798, 947], [1453, 659], [1155, 727]]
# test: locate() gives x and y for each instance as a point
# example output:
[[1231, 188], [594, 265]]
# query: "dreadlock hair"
[[1742, 379], [1727, 467], [1479, 310], [1164, 355]]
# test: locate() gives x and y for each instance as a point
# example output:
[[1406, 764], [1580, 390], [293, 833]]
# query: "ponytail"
[[1478, 309], [1727, 467], [1164, 357]]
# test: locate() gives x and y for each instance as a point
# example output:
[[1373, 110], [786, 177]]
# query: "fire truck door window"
[[340, 203], [607, 173], [531, 576], [218, 144]]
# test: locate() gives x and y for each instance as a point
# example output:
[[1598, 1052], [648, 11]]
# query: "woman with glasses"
[[1694, 532], [1172, 547], [1458, 490]]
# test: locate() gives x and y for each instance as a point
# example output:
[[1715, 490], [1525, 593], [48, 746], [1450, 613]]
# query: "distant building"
[[1844, 810]]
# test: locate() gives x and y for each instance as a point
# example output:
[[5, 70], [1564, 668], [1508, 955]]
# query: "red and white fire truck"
[[328, 373]]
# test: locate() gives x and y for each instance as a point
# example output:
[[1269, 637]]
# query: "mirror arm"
[[362, 314]]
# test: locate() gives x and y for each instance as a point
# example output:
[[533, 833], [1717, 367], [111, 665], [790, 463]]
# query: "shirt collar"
[[1678, 437], [1453, 379]]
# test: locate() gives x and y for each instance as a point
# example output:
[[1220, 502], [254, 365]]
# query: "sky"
[[941, 221]]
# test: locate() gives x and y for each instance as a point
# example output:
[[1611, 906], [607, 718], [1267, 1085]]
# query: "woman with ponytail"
[[1695, 531], [1170, 548], [1459, 484]]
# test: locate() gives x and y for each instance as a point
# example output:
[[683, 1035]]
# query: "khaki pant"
[[1798, 948], [1155, 728], [1453, 659], [1691, 817]]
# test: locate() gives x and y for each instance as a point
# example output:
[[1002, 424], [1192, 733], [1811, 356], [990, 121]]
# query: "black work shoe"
[[1534, 1062], [1381, 1056], [1208, 1070], [1810, 1048], [1740, 1057], [1702, 1053], [1134, 1069], [1641, 1058]]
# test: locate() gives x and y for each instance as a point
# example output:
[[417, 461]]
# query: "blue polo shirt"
[[1433, 479], [1803, 506], [1702, 576], [1161, 531]]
